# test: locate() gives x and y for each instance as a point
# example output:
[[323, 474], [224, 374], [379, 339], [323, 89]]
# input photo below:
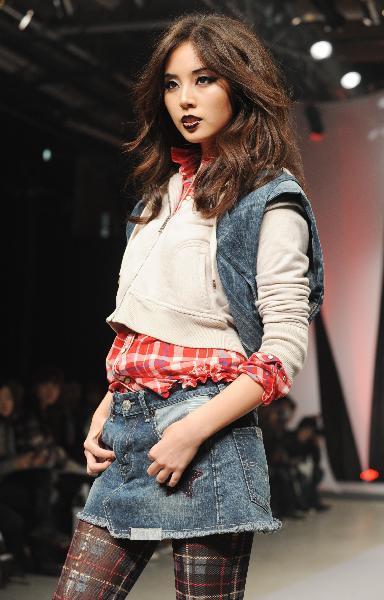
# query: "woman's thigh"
[[213, 566], [101, 566]]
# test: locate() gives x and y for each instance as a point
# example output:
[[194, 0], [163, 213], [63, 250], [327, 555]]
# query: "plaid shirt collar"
[[188, 158]]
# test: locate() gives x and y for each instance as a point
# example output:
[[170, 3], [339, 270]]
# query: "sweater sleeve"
[[283, 299]]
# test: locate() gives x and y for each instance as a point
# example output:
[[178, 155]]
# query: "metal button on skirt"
[[224, 489]]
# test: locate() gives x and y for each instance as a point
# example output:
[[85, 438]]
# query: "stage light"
[[25, 21], [369, 475], [320, 50], [350, 80], [371, 14], [296, 21], [105, 225], [46, 154]]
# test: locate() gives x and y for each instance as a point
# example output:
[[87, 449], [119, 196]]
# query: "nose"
[[187, 97]]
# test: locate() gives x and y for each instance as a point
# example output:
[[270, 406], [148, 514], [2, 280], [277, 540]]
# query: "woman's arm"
[[103, 410], [98, 458], [283, 285], [283, 291]]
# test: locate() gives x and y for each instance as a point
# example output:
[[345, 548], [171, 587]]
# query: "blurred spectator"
[[303, 448], [12, 530], [26, 480], [59, 414], [93, 394], [274, 420], [52, 412]]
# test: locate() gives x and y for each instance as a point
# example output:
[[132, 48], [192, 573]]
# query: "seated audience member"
[[26, 479], [54, 416], [59, 417], [273, 420], [303, 448], [13, 531]]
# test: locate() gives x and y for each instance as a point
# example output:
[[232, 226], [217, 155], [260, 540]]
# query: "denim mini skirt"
[[224, 489]]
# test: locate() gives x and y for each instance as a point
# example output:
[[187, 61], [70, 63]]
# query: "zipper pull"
[[164, 224]]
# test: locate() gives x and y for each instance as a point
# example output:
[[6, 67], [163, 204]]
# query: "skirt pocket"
[[166, 415], [250, 446], [105, 434], [117, 434]]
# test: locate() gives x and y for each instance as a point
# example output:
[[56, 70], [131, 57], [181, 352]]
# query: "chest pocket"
[[189, 275]]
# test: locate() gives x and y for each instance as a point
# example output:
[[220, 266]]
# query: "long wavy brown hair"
[[254, 145]]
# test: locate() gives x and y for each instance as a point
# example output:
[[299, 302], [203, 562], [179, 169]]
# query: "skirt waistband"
[[146, 401]]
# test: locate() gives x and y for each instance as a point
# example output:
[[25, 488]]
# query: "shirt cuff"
[[268, 371]]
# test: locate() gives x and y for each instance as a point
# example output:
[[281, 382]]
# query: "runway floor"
[[333, 555]]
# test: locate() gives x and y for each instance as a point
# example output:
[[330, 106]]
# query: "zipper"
[[168, 217], [164, 223], [183, 197], [141, 266]]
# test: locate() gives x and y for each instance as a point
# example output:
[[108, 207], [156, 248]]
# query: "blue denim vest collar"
[[237, 241]]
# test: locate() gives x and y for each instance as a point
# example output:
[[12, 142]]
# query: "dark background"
[[65, 83]]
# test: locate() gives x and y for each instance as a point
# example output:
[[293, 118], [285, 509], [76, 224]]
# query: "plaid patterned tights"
[[100, 567]]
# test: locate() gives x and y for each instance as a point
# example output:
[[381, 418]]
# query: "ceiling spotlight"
[[296, 21], [46, 154], [370, 10], [25, 21], [350, 80], [320, 50]]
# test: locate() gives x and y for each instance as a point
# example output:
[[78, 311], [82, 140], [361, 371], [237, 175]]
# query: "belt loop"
[[144, 406]]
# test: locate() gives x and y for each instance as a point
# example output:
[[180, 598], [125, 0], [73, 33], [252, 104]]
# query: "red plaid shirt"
[[136, 360]]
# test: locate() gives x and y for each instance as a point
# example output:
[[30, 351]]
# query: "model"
[[222, 273]]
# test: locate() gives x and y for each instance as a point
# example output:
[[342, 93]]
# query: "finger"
[[96, 468], [96, 459], [96, 450], [154, 468], [163, 475], [174, 479], [94, 465]]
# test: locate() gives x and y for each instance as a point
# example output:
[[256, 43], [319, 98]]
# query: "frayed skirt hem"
[[164, 534]]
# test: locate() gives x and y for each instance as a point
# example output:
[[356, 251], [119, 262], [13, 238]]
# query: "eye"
[[168, 86], [202, 79], [206, 78]]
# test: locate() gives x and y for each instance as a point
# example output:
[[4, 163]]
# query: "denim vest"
[[237, 236]]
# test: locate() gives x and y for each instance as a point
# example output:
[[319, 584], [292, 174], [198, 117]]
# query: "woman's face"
[[6, 402], [191, 89], [47, 393]]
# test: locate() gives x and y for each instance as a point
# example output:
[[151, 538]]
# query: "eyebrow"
[[195, 71]]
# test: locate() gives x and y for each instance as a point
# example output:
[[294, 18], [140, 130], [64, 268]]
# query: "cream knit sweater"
[[169, 287]]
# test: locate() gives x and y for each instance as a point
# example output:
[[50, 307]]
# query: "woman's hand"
[[24, 461], [40, 459], [98, 458], [173, 453]]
